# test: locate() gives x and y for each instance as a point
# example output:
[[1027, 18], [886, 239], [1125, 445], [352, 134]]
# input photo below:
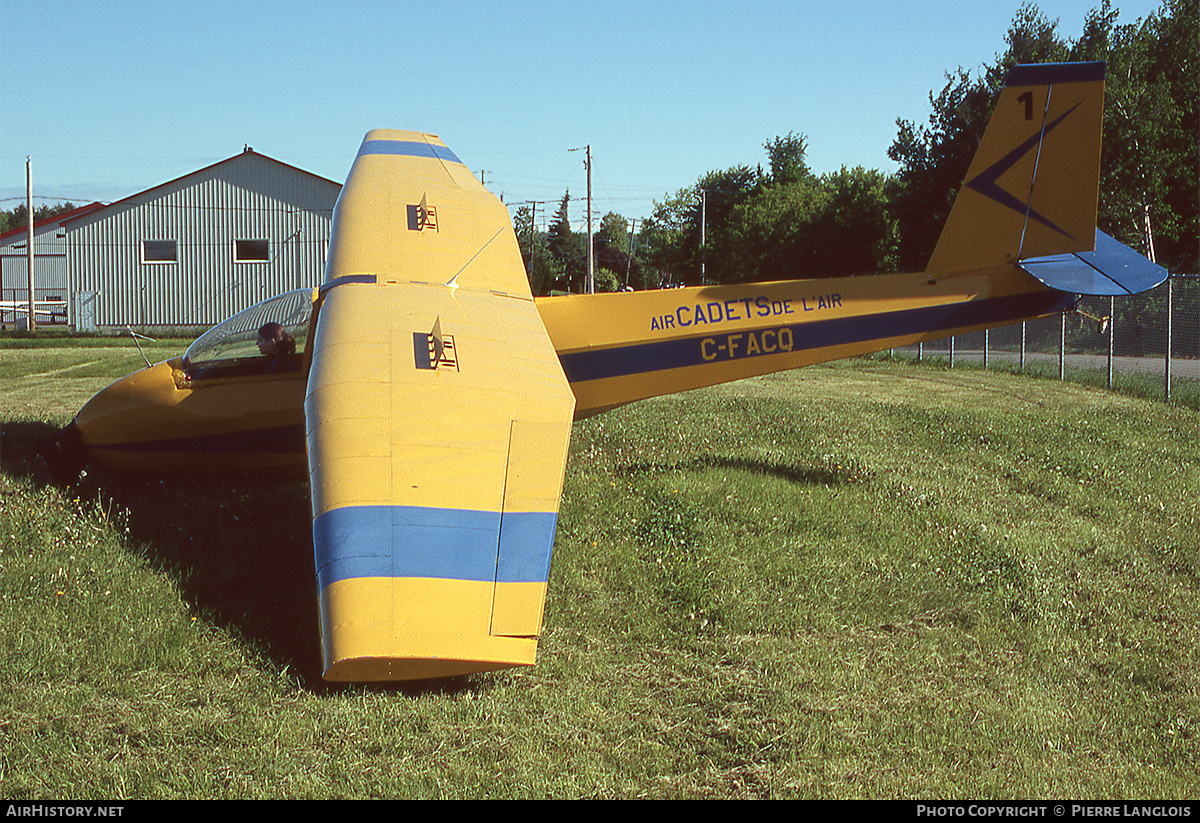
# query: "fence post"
[[1111, 337], [1062, 347], [951, 352], [985, 349], [1022, 347], [1167, 363]]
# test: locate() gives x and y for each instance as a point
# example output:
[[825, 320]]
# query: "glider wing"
[[438, 419]]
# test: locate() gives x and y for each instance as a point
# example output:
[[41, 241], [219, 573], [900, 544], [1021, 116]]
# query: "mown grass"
[[862, 580], [1185, 391]]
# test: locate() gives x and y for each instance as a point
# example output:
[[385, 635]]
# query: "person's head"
[[274, 339]]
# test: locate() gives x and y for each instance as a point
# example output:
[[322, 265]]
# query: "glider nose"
[[120, 416], [109, 418]]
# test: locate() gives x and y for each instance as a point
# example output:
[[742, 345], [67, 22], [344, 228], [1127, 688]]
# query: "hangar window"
[[251, 251], [159, 251]]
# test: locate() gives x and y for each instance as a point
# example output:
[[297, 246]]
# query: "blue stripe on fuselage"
[[277, 440], [640, 358]]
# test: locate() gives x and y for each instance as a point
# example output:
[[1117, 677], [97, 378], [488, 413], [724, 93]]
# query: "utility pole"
[[32, 324], [591, 268], [532, 233], [629, 249], [591, 260]]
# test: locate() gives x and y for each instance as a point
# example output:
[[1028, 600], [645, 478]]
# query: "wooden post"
[[32, 324], [591, 261]]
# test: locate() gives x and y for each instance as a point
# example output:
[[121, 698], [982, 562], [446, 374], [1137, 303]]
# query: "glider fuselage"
[[175, 420]]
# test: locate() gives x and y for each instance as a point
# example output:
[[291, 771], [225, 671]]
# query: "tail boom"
[[623, 347]]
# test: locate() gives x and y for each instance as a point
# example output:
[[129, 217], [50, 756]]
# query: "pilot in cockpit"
[[279, 347]]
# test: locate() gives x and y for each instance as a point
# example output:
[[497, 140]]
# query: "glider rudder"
[[1033, 184]]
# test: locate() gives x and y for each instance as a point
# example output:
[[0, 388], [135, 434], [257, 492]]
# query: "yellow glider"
[[432, 406]]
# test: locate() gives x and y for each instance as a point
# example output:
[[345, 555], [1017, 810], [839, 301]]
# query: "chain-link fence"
[[1146, 344]]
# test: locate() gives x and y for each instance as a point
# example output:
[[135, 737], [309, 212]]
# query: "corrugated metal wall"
[[248, 197], [49, 270], [49, 264]]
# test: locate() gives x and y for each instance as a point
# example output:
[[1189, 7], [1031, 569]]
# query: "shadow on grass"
[[240, 553], [819, 476]]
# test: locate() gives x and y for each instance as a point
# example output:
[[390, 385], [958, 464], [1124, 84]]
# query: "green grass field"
[[865, 580]]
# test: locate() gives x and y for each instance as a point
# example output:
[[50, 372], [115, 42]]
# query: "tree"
[[668, 238], [689, 232], [614, 230], [15, 218], [1149, 171], [788, 224], [722, 193], [1151, 129], [786, 157], [834, 226], [771, 236], [854, 231], [934, 159], [616, 267], [933, 162], [540, 267], [566, 249], [1031, 38]]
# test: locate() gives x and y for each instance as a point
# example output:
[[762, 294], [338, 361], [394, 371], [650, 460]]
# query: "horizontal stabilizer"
[[1111, 269]]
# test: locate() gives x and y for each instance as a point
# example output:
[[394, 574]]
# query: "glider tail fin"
[[1032, 187]]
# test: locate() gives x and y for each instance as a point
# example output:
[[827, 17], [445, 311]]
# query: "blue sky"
[[110, 98]]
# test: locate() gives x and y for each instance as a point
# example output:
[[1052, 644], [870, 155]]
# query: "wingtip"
[[400, 134]]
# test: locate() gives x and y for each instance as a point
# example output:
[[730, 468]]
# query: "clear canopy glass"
[[237, 337]]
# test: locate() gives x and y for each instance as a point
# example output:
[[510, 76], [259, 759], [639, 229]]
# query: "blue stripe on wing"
[[417, 541]]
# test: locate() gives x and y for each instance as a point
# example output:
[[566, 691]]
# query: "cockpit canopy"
[[236, 338]]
